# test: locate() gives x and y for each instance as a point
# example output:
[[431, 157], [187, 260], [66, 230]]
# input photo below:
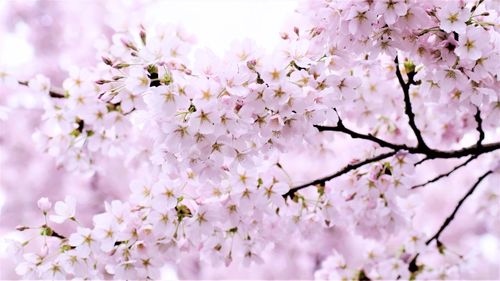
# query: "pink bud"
[[44, 204], [101, 82], [142, 34], [22, 228], [107, 61], [251, 64]]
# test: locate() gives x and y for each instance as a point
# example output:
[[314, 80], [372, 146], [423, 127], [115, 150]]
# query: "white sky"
[[217, 23], [214, 23]]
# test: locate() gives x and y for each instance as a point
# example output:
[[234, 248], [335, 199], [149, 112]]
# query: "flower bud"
[[107, 61], [142, 34], [102, 82], [44, 204], [251, 64], [128, 44], [284, 36], [121, 65], [22, 228], [409, 66]]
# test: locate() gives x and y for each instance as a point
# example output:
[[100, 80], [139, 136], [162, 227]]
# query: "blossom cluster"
[[205, 136]]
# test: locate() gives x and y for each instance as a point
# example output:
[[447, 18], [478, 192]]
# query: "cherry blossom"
[[64, 210], [325, 147], [44, 204], [453, 17], [472, 43]]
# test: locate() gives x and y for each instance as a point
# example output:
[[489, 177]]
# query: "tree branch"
[[446, 174], [355, 135], [428, 152], [342, 171], [466, 151], [408, 108], [55, 234], [473, 151], [450, 218], [479, 128], [421, 161]]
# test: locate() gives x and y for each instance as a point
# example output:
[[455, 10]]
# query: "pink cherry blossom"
[[44, 204], [64, 210], [453, 17], [344, 152]]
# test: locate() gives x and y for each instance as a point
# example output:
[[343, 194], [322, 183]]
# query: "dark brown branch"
[[450, 218], [52, 93], [473, 151], [421, 161], [428, 152], [479, 128], [408, 108], [412, 265], [355, 135], [446, 174], [342, 171], [466, 151], [55, 234]]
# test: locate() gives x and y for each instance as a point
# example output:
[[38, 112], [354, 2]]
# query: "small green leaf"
[[167, 79], [409, 66], [321, 189], [46, 231], [65, 248], [259, 182], [152, 69]]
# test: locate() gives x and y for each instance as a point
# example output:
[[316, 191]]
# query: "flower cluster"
[[204, 136]]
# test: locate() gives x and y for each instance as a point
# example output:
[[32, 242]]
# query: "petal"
[[60, 208]]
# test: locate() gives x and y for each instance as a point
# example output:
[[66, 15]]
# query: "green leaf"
[[46, 231]]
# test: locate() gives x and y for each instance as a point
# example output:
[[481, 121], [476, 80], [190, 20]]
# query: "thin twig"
[[479, 127], [405, 86], [355, 135], [55, 234], [421, 161], [450, 218], [446, 174], [342, 171]]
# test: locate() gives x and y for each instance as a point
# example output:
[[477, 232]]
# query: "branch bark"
[[428, 152], [479, 127], [405, 86], [355, 135], [421, 148], [450, 218], [342, 171], [446, 174]]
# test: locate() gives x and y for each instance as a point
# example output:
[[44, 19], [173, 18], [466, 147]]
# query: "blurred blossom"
[[44, 204]]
